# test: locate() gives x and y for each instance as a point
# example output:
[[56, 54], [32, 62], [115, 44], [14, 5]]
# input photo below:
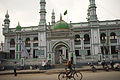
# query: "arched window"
[[103, 37], [86, 39], [12, 43], [77, 39], [113, 37], [27, 42], [35, 42]]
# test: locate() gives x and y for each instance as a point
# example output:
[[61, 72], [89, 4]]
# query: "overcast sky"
[[27, 11]]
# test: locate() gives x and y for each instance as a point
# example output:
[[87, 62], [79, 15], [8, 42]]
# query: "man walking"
[[15, 66]]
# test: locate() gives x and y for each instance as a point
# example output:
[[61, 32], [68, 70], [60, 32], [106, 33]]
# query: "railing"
[[103, 41], [80, 59], [113, 40], [35, 44], [27, 45], [77, 43], [86, 42], [12, 46], [33, 61], [86, 59]]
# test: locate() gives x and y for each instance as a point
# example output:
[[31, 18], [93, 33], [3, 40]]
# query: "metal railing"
[[86, 59]]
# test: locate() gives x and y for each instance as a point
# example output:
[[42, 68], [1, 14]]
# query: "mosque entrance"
[[61, 54]]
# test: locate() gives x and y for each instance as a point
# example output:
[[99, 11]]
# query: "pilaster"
[[31, 47]]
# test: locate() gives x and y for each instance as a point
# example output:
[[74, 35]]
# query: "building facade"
[[60, 41]]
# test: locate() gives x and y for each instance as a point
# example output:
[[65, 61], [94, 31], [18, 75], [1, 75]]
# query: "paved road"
[[100, 75]]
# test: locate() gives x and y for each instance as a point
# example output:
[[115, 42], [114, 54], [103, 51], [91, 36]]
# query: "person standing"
[[15, 67], [60, 58], [112, 64]]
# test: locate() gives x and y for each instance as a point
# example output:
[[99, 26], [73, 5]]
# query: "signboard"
[[39, 52], [83, 52]]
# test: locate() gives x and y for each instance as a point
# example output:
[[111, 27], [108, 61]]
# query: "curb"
[[43, 71]]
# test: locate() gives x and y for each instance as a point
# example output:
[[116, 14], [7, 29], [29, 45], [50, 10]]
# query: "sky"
[[27, 11]]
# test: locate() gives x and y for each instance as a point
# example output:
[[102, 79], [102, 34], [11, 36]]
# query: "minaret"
[[42, 33], [95, 33], [92, 11], [53, 17], [42, 12], [6, 22]]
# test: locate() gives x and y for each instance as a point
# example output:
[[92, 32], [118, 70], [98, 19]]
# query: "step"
[[60, 65]]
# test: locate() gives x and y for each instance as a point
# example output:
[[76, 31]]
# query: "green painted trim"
[[17, 47], [72, 55], [20, 50], [22, 61], [50, 62], [59, 43], [49, 56], [17, 55], [20, 55]]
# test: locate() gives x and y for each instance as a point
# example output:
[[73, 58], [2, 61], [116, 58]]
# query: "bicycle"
[[74, 75]]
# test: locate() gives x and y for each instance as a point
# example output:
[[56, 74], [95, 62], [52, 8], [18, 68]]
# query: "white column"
[[82, 43], [118, 44], [7, 44], [95, 41], [69, 56], [53, 58], [118, 40], [110, 46], [64, 52]]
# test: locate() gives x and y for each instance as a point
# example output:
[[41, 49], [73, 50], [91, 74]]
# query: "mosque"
[[59, 41]]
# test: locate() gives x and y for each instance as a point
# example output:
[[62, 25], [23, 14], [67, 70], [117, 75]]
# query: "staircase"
[[63, 65], [60, 65], [64, 61]]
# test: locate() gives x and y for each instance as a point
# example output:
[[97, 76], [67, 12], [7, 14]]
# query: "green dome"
[[18, 28], [60, 25]]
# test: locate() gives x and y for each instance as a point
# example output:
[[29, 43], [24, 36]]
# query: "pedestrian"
[[60, 58], [112, 64], [15, 67], [44, 64], [103, 63]]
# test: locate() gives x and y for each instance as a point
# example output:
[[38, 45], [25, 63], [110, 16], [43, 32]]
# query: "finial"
[[60, 17], [53, 11], [7, 11], [18, 23], [7, 15]]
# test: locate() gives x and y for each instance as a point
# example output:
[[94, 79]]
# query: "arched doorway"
[[61, 54]]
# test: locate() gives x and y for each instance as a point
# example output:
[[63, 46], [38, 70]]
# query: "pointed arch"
[[60, 43]]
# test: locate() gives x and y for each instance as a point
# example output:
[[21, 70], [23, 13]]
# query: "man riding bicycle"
[[70, 73], [69, 66]]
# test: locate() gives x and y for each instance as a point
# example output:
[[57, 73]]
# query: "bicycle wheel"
[[62, 76], [78, 76]]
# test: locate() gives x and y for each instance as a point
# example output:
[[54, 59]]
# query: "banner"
[[65, 12]]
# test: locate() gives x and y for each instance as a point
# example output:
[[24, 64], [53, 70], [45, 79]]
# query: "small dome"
[[60, 25], [18, 28]]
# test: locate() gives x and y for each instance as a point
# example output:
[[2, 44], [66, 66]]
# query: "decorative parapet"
[[101, 23], [25, 29]]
